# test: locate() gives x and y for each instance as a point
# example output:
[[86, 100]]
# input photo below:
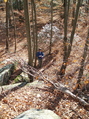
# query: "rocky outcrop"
[[38, 114], [5, 73]]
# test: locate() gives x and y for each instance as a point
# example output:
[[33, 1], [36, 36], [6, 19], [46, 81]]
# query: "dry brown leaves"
[[29, 97]]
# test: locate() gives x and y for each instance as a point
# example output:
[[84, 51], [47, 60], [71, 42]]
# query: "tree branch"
[[35, 73]]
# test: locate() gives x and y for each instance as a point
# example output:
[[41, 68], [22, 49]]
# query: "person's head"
[[39, 49]]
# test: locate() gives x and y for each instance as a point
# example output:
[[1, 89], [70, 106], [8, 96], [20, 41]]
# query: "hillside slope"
[[44, 95]]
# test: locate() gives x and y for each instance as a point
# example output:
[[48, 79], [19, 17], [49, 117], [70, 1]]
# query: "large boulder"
[[38, 114], [5, 73]]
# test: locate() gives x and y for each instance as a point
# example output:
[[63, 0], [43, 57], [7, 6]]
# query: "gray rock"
[[38, 114], [5, 73]]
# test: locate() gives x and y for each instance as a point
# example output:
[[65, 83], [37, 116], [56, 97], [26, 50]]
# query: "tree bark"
[[50, 47], [27, 23], [66, 12], [14, 25], [83, 59], [73, 13], [35, 30], [68, 51], [7, 26], [74, 27]]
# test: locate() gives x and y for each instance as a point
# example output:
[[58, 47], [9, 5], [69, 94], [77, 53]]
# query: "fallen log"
[[66, 91], [36, 73]]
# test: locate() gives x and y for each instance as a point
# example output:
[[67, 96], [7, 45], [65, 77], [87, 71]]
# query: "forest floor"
[[27, 97]]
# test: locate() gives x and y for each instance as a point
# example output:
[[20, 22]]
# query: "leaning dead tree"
[[39, 75]]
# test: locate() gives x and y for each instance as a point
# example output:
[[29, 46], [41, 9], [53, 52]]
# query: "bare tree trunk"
[[68, 5], [35, 30], [74, 27], [50, 47], [64, 65], [73, 13], [15, 34], [27, 23], [66, 12], [14, 25], [7, 26], [83, 59]]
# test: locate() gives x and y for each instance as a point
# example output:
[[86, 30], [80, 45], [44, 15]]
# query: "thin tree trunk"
[[74, 27], [68, 5], [33, 31], [83, 59], [50, 47], [14, 25], [66, 10], [36, 37], [7, 26], [73, 13], [27, 23], [64, 65]]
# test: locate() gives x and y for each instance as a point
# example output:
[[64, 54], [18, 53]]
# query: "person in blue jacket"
[[40, 56]]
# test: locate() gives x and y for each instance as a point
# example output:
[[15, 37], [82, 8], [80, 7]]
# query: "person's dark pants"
[[40, 63]]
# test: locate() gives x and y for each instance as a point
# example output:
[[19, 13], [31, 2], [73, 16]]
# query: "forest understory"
[[46, 96]]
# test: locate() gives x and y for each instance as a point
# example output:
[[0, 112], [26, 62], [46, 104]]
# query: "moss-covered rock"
[[23, 77]]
